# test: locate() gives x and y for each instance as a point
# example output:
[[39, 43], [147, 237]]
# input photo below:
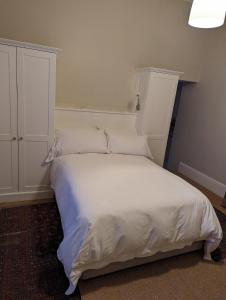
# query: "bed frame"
[[114, 267], [69, 117]]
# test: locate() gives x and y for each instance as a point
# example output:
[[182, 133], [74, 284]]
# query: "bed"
[[118, 208]]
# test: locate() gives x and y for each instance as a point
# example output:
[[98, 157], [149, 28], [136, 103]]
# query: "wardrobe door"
[[36, 99], [8, 121]]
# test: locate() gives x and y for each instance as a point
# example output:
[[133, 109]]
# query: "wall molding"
[[208, 182]]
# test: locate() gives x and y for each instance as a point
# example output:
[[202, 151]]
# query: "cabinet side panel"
[[158, 108], [157, 92]]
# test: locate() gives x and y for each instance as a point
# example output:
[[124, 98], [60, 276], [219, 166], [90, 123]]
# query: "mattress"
[[115, 208]]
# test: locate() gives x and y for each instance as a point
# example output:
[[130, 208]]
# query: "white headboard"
[[71, 117]]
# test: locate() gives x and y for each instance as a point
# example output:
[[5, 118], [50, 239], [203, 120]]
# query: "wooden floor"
[[215, 200]]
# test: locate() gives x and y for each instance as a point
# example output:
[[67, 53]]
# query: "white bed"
[[116, 208]]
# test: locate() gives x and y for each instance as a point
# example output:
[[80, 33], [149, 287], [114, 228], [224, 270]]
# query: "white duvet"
[[117, 207]]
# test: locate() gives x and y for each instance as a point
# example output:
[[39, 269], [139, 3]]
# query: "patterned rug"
[[29, 269]]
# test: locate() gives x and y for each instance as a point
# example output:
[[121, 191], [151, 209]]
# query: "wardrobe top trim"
[[158, 70], [29, 45]]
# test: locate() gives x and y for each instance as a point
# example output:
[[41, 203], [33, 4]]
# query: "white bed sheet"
[[118, 207]]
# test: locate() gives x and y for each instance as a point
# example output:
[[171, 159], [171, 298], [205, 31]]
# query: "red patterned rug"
[[29, 269]]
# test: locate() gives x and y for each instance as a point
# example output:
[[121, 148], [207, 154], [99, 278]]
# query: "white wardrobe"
[[156, 89], [27, 100]]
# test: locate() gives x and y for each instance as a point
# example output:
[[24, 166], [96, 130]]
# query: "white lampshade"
[[207, 13]]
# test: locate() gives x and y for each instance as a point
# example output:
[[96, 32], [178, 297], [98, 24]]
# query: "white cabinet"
[[157, 90], [27, 99], [8, 121]]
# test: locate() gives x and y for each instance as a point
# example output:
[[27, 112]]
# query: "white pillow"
[[78, 140], [128, 144]]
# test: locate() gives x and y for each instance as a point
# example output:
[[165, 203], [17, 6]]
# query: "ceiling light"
[[207, 13]]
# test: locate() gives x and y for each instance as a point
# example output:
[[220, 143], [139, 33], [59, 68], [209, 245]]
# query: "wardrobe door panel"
[[33, 153], [36, 97], [8, 121]]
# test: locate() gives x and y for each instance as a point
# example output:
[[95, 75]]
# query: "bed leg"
[[211, 251], [217, 255]]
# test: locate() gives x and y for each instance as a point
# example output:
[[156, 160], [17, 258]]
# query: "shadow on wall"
[[169, 154]]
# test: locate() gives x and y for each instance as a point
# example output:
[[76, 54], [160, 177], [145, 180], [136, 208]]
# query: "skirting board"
[[211, 184], [23, 196]]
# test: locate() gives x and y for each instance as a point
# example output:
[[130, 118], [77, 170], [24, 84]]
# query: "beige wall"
[[102, 41], [200, 133]]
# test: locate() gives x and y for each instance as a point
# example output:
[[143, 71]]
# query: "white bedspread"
[[117, 207]]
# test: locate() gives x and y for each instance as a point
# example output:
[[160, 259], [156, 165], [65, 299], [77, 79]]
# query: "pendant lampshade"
[[207, 13]]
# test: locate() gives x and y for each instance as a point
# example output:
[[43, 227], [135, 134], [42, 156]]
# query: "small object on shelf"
[[138, 102]]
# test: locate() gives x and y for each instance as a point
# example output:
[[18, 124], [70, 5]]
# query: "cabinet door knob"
[[14, 138], [20, 138]]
